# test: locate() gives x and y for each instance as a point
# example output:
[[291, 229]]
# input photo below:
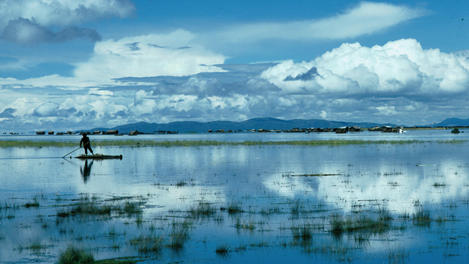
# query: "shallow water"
[[279, 191]]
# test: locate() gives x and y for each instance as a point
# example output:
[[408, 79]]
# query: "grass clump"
[[439, 184], [233, 209], [34, 204], [132, 208], [203, 209], [179, 235], [245, 225], [123, 260], [361, 224], [35, 247], [303, 233], [421, 218], [91, 208], [148, 244], [74, 255], [222, 251]]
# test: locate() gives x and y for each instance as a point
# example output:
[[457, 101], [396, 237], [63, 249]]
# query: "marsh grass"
[[132, 208], [232, 209], [8, 206], [313, 175], [35, 248], [74, 255], [151, 244], [122, 260], [362, 224], [421, 218], [241, 225], [397, 256], [202, 210], [222, 250], [190, 143], [34, 203], [303, 234], [93, 206], [87, 208], [179, 235]]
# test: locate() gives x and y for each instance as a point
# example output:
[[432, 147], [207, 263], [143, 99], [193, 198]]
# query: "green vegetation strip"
[[195, 143]]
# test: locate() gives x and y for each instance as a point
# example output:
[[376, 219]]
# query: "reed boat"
[[98, 156]]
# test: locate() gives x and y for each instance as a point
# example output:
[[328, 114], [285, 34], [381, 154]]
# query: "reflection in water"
[[397, 188], [282, 189], [86, 171]]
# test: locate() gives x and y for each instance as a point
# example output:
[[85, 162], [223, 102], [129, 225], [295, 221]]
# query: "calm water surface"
[[233, 204]]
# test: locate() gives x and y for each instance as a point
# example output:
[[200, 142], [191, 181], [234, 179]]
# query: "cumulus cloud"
[[25, 21], [139, 56], [148, 55], [150, 78], [398, 67], [62, 12], [365, 18]]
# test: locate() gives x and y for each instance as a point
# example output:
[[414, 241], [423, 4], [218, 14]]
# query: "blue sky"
[[67, 64]]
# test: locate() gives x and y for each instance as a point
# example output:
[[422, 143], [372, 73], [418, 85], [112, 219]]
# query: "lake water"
[[386, 203]]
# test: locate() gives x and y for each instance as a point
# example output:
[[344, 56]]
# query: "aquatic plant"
[[421, 218], [179, 235], [34, 203], [203, 209], [132, 208], [74, 255], [222, 250], [233, 209], [148, 244], [302, 233], [363, 224], [439, 184], [121, 260], [181, 184], [397, 256]]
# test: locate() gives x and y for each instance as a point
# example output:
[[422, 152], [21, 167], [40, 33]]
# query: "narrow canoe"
[[99, 156]]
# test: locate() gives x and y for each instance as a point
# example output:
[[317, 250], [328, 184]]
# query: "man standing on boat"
[[85, 141]]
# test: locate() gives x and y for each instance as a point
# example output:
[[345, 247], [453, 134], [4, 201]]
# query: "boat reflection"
[[85, 171]]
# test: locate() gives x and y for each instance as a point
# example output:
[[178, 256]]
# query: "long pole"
[[71, 152]]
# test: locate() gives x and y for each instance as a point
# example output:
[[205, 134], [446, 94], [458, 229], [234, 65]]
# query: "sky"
[[80, 64]]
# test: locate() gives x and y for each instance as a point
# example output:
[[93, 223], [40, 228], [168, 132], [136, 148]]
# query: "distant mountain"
[[255, 123], [449, 122]]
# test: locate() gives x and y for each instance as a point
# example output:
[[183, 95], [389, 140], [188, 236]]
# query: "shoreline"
[[196, 143]]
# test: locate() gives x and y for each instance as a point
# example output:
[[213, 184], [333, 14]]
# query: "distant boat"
[[98, 157]]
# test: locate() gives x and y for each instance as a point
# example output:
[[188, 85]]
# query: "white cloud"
[[394, 83], [96, 91], [172, 54], [401, 66], [46, 109], [149, 55], [25, 21], [387, 110], [366, 18], [62, 12], [323, 114]]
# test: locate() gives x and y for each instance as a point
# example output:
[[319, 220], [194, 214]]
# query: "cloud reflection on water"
[[398, 189]]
